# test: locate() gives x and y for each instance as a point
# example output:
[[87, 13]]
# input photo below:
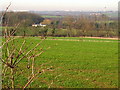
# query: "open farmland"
[[73, 64]]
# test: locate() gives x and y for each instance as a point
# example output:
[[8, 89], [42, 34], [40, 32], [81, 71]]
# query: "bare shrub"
[[18, 57]]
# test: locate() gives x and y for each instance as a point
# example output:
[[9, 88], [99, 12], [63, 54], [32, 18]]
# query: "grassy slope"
[[76, 64]]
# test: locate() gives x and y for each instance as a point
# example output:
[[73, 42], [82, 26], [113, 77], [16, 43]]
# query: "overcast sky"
[[53, 5]]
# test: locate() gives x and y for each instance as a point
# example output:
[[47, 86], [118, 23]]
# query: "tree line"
[[67, 26], [24, 18]]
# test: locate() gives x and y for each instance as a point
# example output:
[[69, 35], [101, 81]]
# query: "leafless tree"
[[14, 54]]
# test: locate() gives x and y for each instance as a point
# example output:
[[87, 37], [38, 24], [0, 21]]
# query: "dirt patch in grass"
[[102, 38], [82, 40]]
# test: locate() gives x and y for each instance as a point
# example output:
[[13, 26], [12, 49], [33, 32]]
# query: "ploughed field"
[[73, 63]]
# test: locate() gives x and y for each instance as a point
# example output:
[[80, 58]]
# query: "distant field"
[[75, 64], [114, 14], [48, 16]]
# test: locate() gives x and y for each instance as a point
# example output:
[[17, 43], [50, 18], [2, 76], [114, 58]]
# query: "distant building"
[[43, 24], [34, 25], [37, 25]]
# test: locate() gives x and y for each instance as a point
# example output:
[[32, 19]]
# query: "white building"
[[42, 25], [36, 25]]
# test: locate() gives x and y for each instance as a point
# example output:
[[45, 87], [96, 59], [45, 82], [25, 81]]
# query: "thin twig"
[[33, 61], [32, 78], [28, 53]]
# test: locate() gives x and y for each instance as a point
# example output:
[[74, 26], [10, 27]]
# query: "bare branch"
[[28, 52]]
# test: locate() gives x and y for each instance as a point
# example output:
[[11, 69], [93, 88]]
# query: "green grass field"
[[74, 64]]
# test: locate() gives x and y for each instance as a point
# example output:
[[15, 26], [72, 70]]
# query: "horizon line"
[[63, 10]]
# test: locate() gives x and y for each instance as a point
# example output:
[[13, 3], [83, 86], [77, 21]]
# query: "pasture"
[[73, 63]]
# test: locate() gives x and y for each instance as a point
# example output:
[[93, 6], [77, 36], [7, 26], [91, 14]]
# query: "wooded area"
[[67, 26]]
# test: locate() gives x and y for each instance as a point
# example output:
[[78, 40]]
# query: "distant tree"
[[68, 21], [46, 22], [12, 18], [54, 26], [85, 24], [43, 32]]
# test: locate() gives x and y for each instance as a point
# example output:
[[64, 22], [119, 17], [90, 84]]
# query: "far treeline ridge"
[[95, 25]]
